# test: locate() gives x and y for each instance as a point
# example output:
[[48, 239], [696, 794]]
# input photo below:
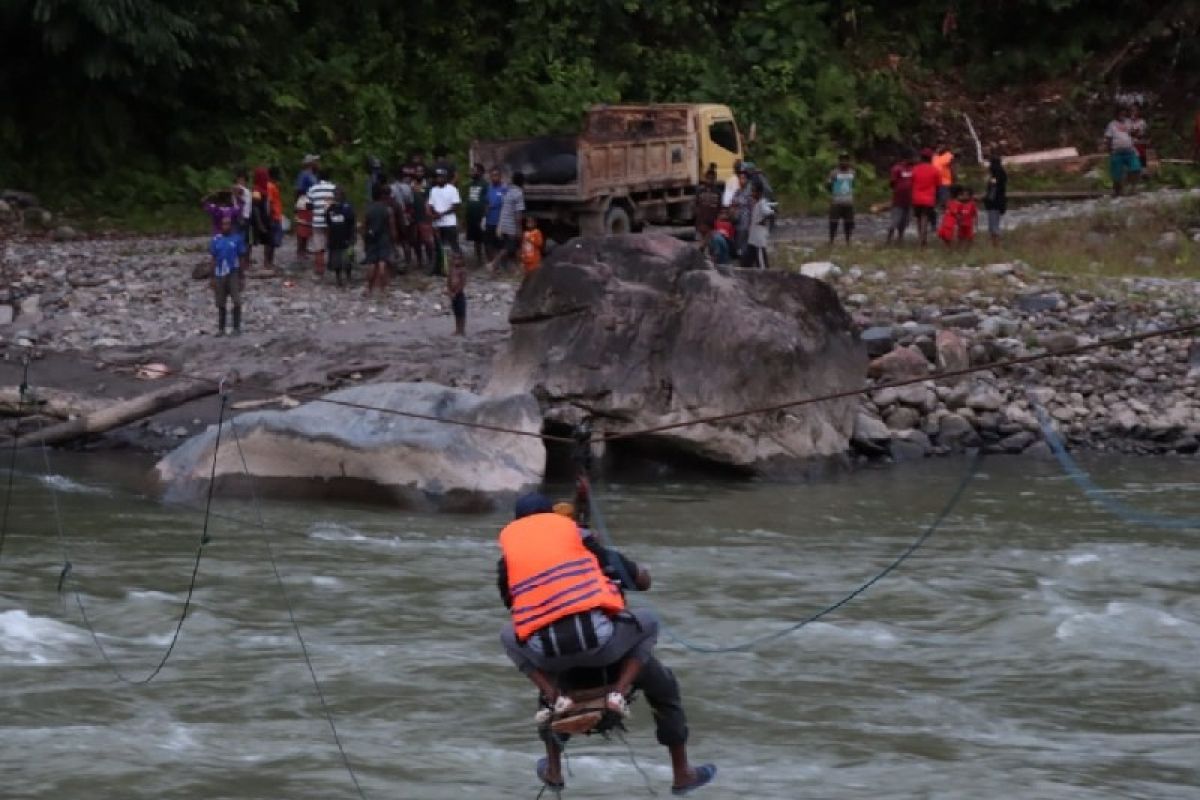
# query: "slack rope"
[[287, 602], [753, 642], [66, 573], [1099, 496]]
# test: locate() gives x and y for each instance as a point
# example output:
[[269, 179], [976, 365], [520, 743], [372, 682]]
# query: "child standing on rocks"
[[532, 242], [950, 219], [968, 215], [456, 288], [228, 279]]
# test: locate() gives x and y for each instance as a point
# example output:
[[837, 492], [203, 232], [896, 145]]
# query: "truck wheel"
[[616, 221]]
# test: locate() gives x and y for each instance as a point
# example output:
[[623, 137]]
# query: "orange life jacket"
[[551, 574]]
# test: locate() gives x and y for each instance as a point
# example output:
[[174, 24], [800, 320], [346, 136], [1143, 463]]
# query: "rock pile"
[[1143, 397]]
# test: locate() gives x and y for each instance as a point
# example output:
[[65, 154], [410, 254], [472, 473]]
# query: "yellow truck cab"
[[630, 165]]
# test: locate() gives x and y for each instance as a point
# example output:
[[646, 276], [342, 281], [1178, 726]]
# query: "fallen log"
[[122, 413], [50, 402]]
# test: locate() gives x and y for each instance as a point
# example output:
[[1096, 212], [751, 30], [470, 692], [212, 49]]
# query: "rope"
[[316, 397], [634, 760], [1094, 492], [287, 602], [67, 567], [750, 644], [12, 456]]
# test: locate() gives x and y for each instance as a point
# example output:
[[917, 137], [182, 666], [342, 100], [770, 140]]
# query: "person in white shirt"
[[320, 198], [444, 202]]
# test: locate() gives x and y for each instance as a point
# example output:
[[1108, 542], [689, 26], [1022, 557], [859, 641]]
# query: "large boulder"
[[641, 331], [345, 451]]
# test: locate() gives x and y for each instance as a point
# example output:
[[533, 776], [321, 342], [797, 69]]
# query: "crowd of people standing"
[[411, 221]]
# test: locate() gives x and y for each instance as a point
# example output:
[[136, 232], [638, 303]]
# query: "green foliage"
[[129, 102]]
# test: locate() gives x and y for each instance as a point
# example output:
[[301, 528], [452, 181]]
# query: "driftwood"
[[122, 413], [50, 402]]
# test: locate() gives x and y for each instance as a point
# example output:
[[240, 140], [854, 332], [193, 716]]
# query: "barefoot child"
[[228, 279], [456, 285], [968, 215], [532, 242]]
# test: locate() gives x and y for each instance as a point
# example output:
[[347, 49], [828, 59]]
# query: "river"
[[1035, 647]]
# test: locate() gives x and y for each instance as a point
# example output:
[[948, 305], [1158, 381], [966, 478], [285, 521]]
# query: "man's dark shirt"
[[607, 557]]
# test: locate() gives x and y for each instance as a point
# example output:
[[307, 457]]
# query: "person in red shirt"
[[901, 183], [925, 182], [968, 215]]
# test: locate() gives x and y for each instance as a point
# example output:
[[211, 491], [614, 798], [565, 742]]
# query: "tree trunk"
[[120, 414], [50, 402]]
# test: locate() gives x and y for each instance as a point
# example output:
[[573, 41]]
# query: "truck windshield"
[[724, 134]]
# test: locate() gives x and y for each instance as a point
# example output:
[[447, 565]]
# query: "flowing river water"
[[1035, 647]]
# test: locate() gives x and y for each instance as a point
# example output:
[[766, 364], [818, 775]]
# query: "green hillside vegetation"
[[125, 105]]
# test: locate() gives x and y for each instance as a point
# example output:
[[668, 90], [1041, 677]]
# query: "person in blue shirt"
[[491, 217], [227, 249]]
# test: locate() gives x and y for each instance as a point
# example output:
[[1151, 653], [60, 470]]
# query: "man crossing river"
[[568, 612]]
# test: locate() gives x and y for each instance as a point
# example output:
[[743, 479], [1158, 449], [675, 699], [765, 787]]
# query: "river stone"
[[6, 315], [962, 319], [1038, 302], [642, 331], [820, 270], [1017, 442], [985, 398], [918, 396], [998, 327], [952, 353], [871, 436], [903, 363], [330, 450], [910, 445], [879, 340], [1058, 341], [902, 418]]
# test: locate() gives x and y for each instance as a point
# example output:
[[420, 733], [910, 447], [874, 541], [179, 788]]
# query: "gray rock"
[[903, 418], [910, 445], [984, 398], [820, 270], [1058, 341], [6, 315], [1168, 241], [334, 449], [640, 330], [963, 319], [1146, 374], [65, 233], [879, 340], [871, 436], [955, 397], [1000, 270], [1017, 442], [998, 327], [956, 429], [1038, 302], [917, 396]]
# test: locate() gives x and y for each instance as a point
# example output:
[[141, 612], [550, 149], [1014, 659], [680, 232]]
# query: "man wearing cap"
[[565, 594], [307, 175], [444, 201]]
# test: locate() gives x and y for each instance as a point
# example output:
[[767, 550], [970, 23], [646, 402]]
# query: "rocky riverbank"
[[92, 311], [1143, 397]]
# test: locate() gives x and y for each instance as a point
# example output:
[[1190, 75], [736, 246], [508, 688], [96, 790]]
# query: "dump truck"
[[631, 165]]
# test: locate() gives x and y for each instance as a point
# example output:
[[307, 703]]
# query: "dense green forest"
[[140, 102]]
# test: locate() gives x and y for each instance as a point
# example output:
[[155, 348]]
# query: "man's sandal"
[[704, 776]]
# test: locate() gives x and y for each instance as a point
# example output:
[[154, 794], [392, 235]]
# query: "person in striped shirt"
[[320, 197]]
